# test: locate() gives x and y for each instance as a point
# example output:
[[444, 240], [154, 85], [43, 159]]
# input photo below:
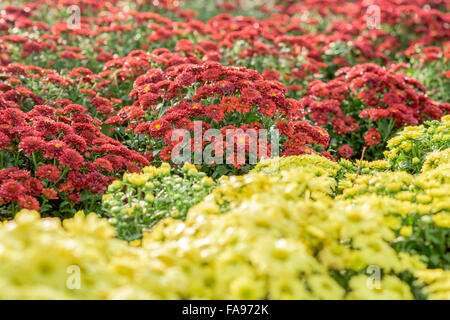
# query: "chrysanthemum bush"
[[57, 159], [416, 207], [366, 104], [224, 99], [139, 201], [415, 145]]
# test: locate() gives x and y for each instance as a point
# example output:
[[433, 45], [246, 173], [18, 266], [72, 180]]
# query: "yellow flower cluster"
[[319, 165], [139, 179], [275, 243], [41, 259], [408, 149], [438, 282], [311, 182], [140, 200], [437, 159], [398, 192]]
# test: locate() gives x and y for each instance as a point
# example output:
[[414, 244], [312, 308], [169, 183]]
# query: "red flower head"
[[250, 94], [271, 74], [74, 140], [49, 172], [215, 112], [184, 123], [29, 202], [33, 186], [4, 140], [71, 158], [285, 128], [185, 79], [243, 105], [267, 107], [31, 144], [212, 74], [372, 137], [96, 182], [66, 187], [328, 156], [49, 193], [184, 45], [46, 126], [104, 164], [346, 151], [229, 103], [54, 149], [158, 128], [74, 197], [104, 57], [166, 153], [11, 190], [225, 86]]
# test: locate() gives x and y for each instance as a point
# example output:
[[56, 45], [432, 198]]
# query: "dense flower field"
[[270, 149]]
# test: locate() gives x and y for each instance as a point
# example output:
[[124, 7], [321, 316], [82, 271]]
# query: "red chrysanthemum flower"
[[250, 94], [49, 193], [271, 74], [31, 144], [229, 103], [46, 126], [243, 105], [54, 149], [225, 86], [76, 141], [158, 128], [267, 107], [96, 182], [328, 156], [346, 151], [212, 74], [71, 158], [17, 174], [29, 202], [148, 100], [299, 150], [33, 186], [49, 172], [285, 128], [215, 113], [166, 153], [4, 140], [104, 164], [184, 123], [66, 186], [132, 167], [185, 79], [372, 137], [74, 197], [104, 57], [11, 190]]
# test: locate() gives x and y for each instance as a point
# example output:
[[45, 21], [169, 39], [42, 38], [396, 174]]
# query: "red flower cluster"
[[221, 98], [61, 152], [369, 92]]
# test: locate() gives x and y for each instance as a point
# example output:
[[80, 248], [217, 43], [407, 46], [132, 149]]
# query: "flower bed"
[[225, 150]]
